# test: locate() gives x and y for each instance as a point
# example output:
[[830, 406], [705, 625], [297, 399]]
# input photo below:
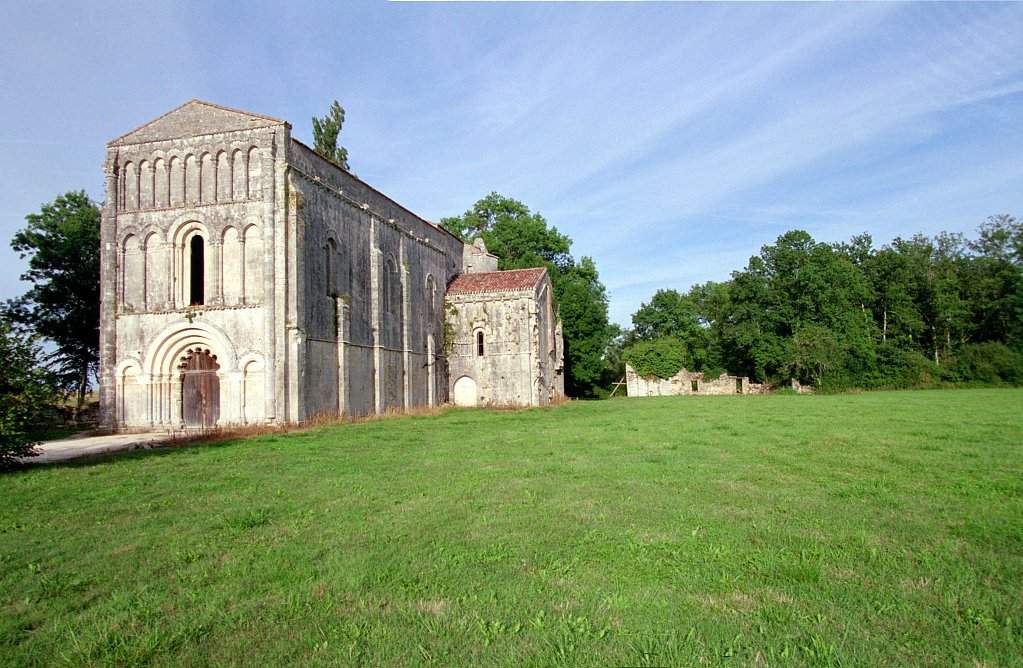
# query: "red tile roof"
[[496, 281]]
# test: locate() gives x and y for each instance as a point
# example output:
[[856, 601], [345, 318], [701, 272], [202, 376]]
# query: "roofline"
[[379, 192], [271, 119], [532, 288]]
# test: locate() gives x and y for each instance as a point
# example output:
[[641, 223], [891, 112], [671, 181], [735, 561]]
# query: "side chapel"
[[247, 280]]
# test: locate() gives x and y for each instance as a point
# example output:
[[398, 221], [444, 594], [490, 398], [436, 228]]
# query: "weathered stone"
[[688, 382], [507, 346], [314, 292]]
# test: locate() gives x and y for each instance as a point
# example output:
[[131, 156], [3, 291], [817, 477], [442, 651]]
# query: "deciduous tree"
[[61, 243], [26, 389]]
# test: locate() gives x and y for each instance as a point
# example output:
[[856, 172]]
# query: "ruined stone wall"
[[687, 382], [372, 295], [219, 191]]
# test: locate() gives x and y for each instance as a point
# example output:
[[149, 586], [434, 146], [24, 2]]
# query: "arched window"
[[431, 293], [329, 251], [479, 344], [197, 292]]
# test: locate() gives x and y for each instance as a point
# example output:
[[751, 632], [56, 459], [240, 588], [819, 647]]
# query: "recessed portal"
[[200, 389]]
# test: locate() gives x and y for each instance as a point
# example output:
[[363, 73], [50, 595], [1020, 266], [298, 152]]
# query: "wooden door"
[[200, 389]]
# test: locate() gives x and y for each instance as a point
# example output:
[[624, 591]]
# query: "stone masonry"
[[247, 280], [688, 382]]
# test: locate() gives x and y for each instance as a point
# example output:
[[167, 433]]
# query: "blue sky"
[[670, 141]]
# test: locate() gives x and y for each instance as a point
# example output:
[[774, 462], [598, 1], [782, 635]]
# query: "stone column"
[[215, 271], [342, 367]]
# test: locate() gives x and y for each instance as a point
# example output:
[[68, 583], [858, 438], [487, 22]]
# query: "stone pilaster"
[[108, 296]]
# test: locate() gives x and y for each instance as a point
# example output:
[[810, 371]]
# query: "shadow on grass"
[[228, 437]]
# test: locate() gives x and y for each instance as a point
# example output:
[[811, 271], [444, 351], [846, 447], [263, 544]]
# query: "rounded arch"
[[239, 174], [431, 294], [128, 364], [175, 181], [232, 265], [148, 231], [130, 186], [229, 229], [191, 179], [161, 183], [124, 233], [465, 393], [154, 269], [254, 173], [207, 178], [185, 227], [164, 352], [145, 184], [224, 183], [130, 393], [253, 370]]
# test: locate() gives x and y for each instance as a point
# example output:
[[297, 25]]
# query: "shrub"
[[661, 357], [990, 363], [26, 390], [904, 369]]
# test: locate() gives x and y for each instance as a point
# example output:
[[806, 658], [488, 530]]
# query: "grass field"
[[871, 529]]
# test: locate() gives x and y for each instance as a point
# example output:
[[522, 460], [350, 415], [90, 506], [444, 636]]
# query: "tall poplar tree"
[[327, 132]]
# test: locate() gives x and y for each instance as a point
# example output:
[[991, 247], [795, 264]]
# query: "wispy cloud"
[[669, 140]]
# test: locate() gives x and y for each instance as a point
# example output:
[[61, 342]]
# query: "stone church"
[[247, 280]]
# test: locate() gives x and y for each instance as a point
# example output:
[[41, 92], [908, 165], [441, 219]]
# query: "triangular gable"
[[194, 118]]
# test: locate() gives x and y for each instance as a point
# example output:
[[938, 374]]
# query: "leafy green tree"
[[327, 132], [993, 284], [794, 283], [614, 355], [662, 357], [892, 283], [521, 239], [918, 312], [816, 354], [680, 317], [669, 313], [62, 245], [518, 237], [26, 389]]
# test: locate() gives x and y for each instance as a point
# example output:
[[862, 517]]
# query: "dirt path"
[[88, 446]]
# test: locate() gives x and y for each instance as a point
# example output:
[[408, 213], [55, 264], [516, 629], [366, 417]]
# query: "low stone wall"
[[689, 382]]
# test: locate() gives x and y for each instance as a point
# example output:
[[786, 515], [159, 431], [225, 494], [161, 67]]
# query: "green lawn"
[[871, 529]]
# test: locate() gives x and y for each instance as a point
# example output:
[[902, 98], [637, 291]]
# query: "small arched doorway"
[[465, 392], [200, 389]]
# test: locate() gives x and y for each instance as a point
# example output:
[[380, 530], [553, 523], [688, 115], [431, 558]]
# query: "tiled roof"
[[496, 281]]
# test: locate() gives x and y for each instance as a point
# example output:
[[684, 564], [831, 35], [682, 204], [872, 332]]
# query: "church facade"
[[247, 280]]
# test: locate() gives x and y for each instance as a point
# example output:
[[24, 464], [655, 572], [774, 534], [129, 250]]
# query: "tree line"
[[917, 312]]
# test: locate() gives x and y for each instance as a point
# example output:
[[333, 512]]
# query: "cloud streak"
[[670, 141]]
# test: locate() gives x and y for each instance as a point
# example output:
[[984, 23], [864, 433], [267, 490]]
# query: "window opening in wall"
[[196, 296], [696, 386], [479, 344], [328, 267]]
